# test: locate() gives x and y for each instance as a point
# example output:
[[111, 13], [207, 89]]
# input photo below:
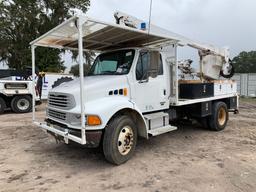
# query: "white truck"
[[133, 89], [16, 90], [16, 95]]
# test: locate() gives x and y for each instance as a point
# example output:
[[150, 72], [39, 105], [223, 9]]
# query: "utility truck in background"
[[16, 88], [16, 94], [136, 87]]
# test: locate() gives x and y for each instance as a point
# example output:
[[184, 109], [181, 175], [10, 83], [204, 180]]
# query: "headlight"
[[91, 120]]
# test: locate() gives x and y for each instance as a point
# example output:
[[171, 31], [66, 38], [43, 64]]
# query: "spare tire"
[[61, 80]]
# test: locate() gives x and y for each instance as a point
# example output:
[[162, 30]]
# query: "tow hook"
[[66, 136]]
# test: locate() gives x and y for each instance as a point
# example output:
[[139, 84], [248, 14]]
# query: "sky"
[[220, 23]]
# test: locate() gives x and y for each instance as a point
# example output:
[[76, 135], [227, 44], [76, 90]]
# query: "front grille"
[[62, 101], [56, 114]]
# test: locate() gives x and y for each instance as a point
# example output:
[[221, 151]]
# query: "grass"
[[248, 99]]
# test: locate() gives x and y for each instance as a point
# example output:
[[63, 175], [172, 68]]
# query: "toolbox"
[[196, 90]]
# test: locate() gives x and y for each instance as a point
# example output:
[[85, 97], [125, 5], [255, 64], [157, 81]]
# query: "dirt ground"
[[189, 159]]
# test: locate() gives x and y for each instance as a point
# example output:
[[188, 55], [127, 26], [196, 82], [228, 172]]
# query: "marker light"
[[125, 91]]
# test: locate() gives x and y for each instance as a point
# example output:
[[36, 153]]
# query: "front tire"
[[219, 118], [21, 104], [120, 140]]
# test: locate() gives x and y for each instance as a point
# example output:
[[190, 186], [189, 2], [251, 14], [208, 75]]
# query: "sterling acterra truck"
[[136, 87]]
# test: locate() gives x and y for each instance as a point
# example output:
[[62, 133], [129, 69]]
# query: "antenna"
[[150, 13]]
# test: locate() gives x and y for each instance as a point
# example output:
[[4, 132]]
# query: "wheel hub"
[[222, 116], [23, 104], [125, 140]]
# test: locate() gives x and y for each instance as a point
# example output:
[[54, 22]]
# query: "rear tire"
[[21, 104], [2, 105], [120, 140], [219, 118]]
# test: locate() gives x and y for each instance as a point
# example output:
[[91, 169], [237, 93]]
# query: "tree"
[[245, 62], [88, 56], [21, 21]]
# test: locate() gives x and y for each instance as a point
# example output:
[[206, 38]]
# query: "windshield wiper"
[[107, 73]]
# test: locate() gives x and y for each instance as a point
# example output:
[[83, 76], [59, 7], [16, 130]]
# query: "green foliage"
[[49, 60], [21, 21], [245, 62], [88, 55], [75, 70]]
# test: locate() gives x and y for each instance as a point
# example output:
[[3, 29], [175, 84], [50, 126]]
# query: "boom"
[[211, 58]]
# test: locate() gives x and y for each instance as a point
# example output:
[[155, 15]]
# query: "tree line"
[[245, 62]]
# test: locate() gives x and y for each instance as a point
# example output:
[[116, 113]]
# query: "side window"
[[149, 65], [142, 66], [160, 69]]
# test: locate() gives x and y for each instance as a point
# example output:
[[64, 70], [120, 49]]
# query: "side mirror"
[[170, 61]]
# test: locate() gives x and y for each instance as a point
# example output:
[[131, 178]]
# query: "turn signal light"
[[93, 120]]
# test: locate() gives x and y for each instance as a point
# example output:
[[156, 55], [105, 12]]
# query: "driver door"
[[150, 88]]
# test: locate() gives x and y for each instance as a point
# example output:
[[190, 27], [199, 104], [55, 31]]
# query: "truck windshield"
[[113, 63]]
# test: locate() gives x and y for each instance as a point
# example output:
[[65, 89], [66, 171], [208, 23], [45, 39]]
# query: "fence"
[[246, 84]]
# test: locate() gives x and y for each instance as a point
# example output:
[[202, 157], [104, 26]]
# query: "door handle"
[[143, 81]]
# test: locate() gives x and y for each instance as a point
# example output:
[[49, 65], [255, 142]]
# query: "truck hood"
[[95, 86]]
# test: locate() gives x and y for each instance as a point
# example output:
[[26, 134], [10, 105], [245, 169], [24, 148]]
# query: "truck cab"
[[131, 80]]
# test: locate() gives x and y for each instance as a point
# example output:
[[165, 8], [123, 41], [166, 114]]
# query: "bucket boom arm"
[[210, 57]]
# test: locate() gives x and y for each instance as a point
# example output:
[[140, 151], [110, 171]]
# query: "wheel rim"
[[222, 116], [23, 104], [125, 140]]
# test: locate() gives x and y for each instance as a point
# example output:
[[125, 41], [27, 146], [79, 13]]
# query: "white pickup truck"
[[131, 91]]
